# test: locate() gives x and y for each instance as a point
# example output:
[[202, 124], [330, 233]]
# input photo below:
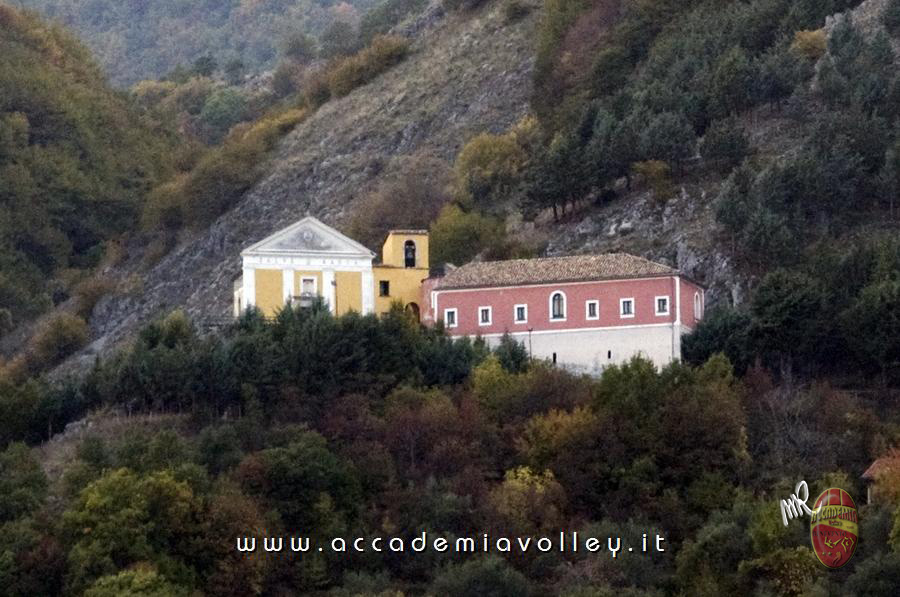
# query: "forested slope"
[[76, 160], [138, 40]]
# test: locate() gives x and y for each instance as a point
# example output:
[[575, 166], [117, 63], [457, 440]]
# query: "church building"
[[309, 259], [584, 312]]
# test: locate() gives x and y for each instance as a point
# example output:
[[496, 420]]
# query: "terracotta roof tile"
[[578, 268], [888, 462]]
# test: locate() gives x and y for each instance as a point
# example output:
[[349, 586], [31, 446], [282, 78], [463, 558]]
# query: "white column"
[[287, 284], [249, 287], [368, 291], [328, 290]]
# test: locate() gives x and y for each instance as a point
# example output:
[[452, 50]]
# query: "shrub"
[[354, 71], [221, 176], [89, 292], [385, 15], [490, 575], [410, 195], [56, 339], [486, 169], [810, 44], [515, 10], [658, 175], [458, 236], [223, 109], [460, 5]]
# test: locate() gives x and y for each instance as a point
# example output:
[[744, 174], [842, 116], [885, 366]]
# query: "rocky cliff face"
[[466, 74]]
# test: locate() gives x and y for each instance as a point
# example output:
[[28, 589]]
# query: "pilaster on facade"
[[249, 287], [328, 288], [287, 285], [368, 291]]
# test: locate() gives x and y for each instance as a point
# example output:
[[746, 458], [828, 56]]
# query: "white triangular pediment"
[[309, 236]]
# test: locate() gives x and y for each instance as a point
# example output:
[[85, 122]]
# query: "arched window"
[[409, 253], [698, 306], [557, 306]]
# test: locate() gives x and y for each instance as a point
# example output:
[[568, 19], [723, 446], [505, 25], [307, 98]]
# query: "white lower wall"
[[589, 351]]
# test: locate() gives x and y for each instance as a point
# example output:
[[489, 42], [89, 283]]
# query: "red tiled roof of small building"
[[887, 463], [577, 268]]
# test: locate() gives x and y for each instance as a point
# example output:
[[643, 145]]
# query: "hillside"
[[76, 161], [465, 74], [146, 40]]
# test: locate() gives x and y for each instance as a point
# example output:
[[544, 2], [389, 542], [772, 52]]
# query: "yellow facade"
[[404, 285], [393, 252], [298, 281], [269, 291], [348, 292], [339, 277]]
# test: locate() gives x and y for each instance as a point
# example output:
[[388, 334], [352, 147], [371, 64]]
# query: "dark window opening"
[[409, 253], [384, 288], [609, 354], [558, 306], [554, 358], [413, 310]]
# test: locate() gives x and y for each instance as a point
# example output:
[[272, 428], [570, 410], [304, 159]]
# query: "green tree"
[[490, 575], [730, 83], [23, 484], [339, 39], [872, 326], [139, 581], [223, 109], [669, 137], [123, 519], [787, 310], [204, 66], [725, 145]]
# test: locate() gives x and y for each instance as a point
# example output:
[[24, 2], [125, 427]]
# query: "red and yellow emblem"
[[833, 527]]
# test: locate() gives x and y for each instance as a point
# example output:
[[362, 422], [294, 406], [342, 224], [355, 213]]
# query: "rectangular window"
[[484, 316], [592, 310], [450, 318], [384, 288], [521, 313], [307, 286], [662, 305], [626, 307]]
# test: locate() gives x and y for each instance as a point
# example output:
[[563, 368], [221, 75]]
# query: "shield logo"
[[833, 527]]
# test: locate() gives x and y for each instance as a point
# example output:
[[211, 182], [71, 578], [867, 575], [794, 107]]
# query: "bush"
[[460, 5], [810, 44], [515, 10], [89, 292], [458, 236], [384, 16], [223, 109], [55, 340], [221, 177], [410, 195], [486, 169], [658, 176], [490, 575], [357, 70]]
